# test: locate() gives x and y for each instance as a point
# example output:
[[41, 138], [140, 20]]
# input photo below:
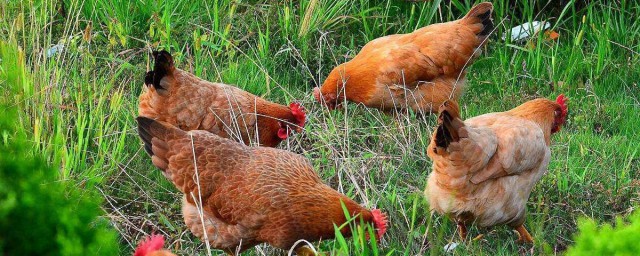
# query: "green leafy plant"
[[39, 214], [596, 239]]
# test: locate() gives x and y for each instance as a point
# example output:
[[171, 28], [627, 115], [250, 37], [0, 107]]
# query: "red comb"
[[559, 120], [562, 101], [380, 222], [298, 112], [149, 244]]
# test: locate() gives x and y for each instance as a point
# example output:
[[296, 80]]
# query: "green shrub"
[[594, 239], [39, 214]]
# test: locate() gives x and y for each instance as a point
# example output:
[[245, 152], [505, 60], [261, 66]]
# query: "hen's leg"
[[523, 235], [462, 231]]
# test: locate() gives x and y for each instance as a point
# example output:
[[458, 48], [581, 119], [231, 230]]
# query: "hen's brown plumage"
[[175, 96], [250, 195], [419, 70], [484, 168]]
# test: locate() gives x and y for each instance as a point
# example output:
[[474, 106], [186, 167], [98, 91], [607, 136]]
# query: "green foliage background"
[[595, 238], [40, 214]]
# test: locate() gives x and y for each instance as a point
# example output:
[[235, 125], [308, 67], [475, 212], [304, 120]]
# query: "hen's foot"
[[523, 235]]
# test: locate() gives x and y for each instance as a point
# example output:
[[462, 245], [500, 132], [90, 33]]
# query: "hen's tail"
[[162, 67], [156, 136], [479, 19], [449, 124]]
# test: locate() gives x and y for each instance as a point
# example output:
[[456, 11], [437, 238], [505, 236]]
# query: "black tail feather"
[[487, 22], [144, 124], [163, 66], [481, 13], [445, 134], [449, 124], [148, 78]]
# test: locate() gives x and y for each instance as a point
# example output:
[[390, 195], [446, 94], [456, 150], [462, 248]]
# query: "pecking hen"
[[418, 71], [175, 96], [236, 196]]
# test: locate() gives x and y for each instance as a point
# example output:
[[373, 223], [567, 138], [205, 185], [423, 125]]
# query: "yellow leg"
[[478, 237], [523, 235]]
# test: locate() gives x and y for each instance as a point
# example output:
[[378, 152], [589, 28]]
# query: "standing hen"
[[190, 103], [419, 70], [236, 196], [485, 167]]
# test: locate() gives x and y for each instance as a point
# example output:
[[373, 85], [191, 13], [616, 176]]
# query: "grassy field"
[[80, 66]]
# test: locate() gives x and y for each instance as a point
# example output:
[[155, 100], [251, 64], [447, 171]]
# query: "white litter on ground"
[[450, 247], [526, 30], [54, 50]]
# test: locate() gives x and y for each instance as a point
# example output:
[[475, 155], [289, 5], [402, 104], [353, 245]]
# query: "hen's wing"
[[520, 147], [178, 153], [212, 172]]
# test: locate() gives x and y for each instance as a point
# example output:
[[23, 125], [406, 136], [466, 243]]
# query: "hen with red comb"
[[190, 103], [485, 167], [152, 246], [250, 195]]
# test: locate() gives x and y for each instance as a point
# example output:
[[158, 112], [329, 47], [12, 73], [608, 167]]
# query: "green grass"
[[79, 106]]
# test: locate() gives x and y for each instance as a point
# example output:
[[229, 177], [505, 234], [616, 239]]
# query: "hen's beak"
[[331, 104], [317, 94]]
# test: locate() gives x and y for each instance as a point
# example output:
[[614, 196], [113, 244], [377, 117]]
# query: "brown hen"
[[485, 167], [236, 196], [418, 71], [175, 96]]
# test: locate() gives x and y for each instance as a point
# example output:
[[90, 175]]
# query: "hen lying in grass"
[[175, 96], [485, 167], [418, 71], [236, 196]]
